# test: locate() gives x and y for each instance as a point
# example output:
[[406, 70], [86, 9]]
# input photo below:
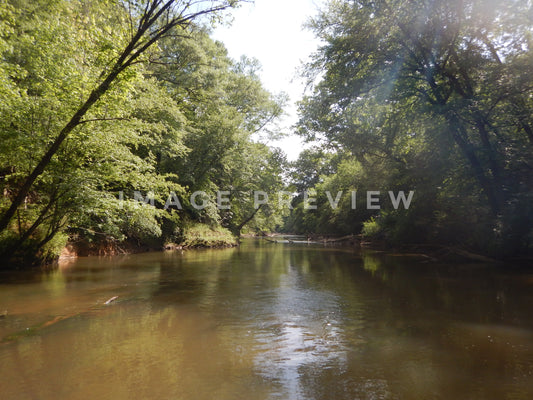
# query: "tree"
[[431, 85], [149, 22], [225, 106], [179, 116]]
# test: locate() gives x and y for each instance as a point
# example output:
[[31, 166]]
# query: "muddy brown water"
[[266, 321]]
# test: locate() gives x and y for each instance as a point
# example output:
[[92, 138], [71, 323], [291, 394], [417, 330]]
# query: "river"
[[266, 321]]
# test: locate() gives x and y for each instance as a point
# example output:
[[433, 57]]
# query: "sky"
[[272, 31]]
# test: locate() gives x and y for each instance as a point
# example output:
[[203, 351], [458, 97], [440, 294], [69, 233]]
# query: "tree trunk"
[[487, 184], [154, 11], [239, 227], [10, 251], [45, 160]]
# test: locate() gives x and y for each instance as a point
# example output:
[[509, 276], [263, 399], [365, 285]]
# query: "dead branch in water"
[[37, 328]]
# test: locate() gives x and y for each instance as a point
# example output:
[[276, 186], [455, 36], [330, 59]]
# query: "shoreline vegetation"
[[146, 101], [426, 252], [197, 236], [421, 103], [204, 237]]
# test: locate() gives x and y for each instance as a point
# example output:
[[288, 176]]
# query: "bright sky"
[[272, 32]]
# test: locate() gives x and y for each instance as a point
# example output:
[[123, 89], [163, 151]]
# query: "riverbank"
[[205, 236], [193, 237], [440, 253], [447, 254], [201, 236]]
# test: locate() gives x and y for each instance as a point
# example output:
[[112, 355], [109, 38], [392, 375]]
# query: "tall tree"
[[449, 77], [149, 22]]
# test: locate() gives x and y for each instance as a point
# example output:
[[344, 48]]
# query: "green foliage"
[[371, 229], [201, 235], [51, 250], [178, 119], [434, 97]]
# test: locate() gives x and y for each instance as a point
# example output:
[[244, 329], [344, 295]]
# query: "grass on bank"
[[201, 235]]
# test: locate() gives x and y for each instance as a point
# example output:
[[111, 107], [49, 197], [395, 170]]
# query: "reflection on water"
[[266, 321]]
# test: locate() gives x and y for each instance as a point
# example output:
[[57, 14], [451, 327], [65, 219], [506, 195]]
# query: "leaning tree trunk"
[[154, 11], [488, 185], [238, 228]]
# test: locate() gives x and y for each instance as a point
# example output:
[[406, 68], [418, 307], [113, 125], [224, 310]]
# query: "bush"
[[201, 235], [371, 229], [52, 250]]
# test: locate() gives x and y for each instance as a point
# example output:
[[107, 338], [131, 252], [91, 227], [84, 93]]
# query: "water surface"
[[266, 321]]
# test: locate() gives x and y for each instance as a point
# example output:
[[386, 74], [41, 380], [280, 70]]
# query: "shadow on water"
[[270, 321]]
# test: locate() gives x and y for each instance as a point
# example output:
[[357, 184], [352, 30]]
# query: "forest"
[[104, 102]]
